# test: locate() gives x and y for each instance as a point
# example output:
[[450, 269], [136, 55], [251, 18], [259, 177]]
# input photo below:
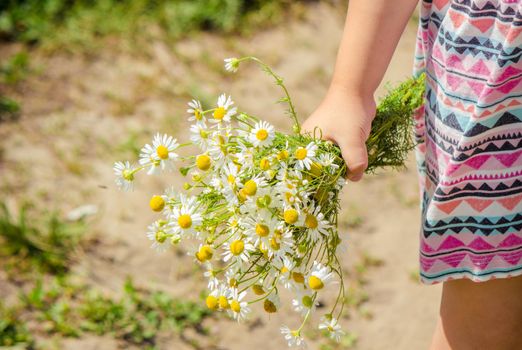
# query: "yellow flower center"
[[128, 175], [197, 114], [262, 135], [160, 236], [203, 162], [231, 179], [232, 283], [205, 253], [212, 302], [185, 221], [237, 247], [284, 269], [241, 195], [315, 282], [234, 305], [219, 113], [274, 244], [262, 230], [316, 169], [282, 155], [258, 289], [223, 302], [311, 221], [298, 277], [157, 203], [307, 301], [163, 152], [250, 188], [264, 201], [203, 134], [269, 306], [290, 216], [264, 164], [301, 153]]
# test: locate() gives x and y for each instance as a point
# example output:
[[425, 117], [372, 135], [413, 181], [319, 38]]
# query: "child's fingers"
[[356, 158]]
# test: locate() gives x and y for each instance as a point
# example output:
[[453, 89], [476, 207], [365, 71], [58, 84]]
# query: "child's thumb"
[[356, 157]]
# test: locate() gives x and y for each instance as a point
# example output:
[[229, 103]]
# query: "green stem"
[[279, 81]]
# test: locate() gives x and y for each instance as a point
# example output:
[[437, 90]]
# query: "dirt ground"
[[81, 113]]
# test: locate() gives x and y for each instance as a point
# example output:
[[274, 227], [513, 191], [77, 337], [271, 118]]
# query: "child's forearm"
[[372, 31]]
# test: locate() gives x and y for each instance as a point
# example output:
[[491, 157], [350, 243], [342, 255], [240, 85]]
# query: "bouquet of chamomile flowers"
[[263, 205]]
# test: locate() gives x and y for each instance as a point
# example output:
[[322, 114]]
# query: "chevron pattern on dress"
[[469, 131]]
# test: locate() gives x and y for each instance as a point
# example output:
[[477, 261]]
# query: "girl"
[[469, 151]]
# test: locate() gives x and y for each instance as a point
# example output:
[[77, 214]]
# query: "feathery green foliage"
[[391, 136]]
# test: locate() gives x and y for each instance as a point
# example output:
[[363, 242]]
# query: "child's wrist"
[[351, 91], [353, 95]]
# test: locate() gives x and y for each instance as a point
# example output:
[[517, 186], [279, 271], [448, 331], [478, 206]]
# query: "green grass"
[[137, 317], [9, 109], [69, 23], [15, 69], [45, 245], [13, 330]]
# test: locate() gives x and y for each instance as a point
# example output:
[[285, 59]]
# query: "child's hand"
[[345, 118]]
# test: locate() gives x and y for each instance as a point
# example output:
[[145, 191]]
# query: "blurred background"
[[85, 83]]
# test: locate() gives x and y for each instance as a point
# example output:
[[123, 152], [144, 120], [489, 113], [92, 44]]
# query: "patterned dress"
[[470, 139]]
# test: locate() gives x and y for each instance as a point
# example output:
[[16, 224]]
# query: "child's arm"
[[371, 33]]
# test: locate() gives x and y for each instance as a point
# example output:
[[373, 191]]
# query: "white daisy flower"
[[262, 134], [185, 218], [219, 147], [160, 235], [224, 110], [305, 156], [160, 154], [224, 295], [320, 276], [239, 309], [124, 172], [232, 275], [332, 326], [288, 192], [281, 243], [238, 250], [210, 273], [315, 222], [254, 188], [203, 253], [201, 136], [291, 276], [260, 229], [230, 175], [245, 156], [304, 302], [293, 338], [231, 64], [196, 112], [285, 266], [328, 160]]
